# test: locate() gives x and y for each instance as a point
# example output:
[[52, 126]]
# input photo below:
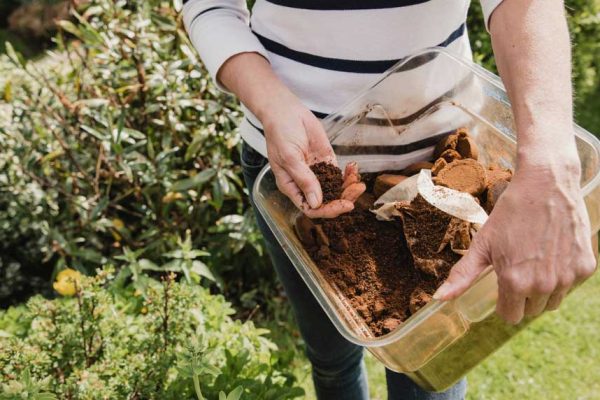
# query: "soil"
[[331, 180], [389, 270], [425, 227], [369, 262]]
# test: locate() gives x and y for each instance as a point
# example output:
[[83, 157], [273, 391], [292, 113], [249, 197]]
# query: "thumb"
[[464, 273]]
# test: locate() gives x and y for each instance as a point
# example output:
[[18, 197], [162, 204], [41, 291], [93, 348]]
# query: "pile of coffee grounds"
[[424, 228], [369, 262], [331, 180]]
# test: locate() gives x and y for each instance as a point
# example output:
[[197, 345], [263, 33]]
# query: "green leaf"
[[202, 269], [52, 155], [13, 56], [99, 208], [148, 265], [194, 147], [210, 369], [70, 27], [218, 195], [195, 181], [93, 103], [45, 396], [88, 254], [236, 393], [134, 133], [93, 132]]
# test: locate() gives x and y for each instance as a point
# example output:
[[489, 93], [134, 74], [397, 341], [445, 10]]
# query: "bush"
[[123, 142], [584, 25], [119, 140], [107, 342]]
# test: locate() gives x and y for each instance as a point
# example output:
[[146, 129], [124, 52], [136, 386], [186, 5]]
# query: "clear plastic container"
[[430, 93]]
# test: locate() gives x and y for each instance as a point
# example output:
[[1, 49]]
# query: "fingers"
[[353, 192], [288, 187], [306, 181], [351, 175], [332, 209], [555, 299], [535, 305], [465, 272], [510, 306]]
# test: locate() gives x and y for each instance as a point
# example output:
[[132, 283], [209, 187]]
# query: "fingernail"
[[312, 200], [441, 292]]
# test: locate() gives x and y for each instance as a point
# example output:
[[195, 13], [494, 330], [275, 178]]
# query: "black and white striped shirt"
[[325, 51]]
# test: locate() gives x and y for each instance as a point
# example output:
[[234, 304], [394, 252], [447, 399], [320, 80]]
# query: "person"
[[283, 66]]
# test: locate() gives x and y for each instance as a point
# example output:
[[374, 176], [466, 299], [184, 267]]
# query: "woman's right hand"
[[295, 137], [295, 140]]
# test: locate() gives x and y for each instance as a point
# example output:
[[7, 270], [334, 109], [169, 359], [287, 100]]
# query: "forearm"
[[533, 53], [250, 77]]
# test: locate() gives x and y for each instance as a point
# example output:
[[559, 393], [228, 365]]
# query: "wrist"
[[274, 104], [553, 168], [548, 148]]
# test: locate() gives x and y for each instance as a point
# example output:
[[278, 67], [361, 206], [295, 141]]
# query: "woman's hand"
[[295, 140], [295, 137], [537, 238]]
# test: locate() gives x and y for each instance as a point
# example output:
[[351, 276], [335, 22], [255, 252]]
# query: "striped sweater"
[[325, 51]]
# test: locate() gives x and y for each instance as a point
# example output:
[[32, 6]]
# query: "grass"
[[557, 357]]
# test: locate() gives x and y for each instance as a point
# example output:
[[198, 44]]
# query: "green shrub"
[[119, 139], [122, 141], [584, 25], [112, 343]]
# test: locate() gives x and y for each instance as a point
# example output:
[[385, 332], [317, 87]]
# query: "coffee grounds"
[[428, 224], [331, 180], [424, 228], [464, 175], [370, 264]]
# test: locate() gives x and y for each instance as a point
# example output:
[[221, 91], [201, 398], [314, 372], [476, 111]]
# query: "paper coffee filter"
[[458, 204]]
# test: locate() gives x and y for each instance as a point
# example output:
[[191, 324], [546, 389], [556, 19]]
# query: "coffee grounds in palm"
[[330, 178]]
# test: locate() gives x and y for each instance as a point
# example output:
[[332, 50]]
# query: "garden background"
[[123, 214]]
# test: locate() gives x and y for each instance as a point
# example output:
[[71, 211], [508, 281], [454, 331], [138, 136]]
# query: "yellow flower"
[[144, 310], [171, 197], [66, 281], [118, 224]]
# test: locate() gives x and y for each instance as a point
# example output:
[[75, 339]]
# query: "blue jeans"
[[337, 365]]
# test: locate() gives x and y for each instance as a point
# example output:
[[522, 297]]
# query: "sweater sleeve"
[[488, 7], [219, 29]]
